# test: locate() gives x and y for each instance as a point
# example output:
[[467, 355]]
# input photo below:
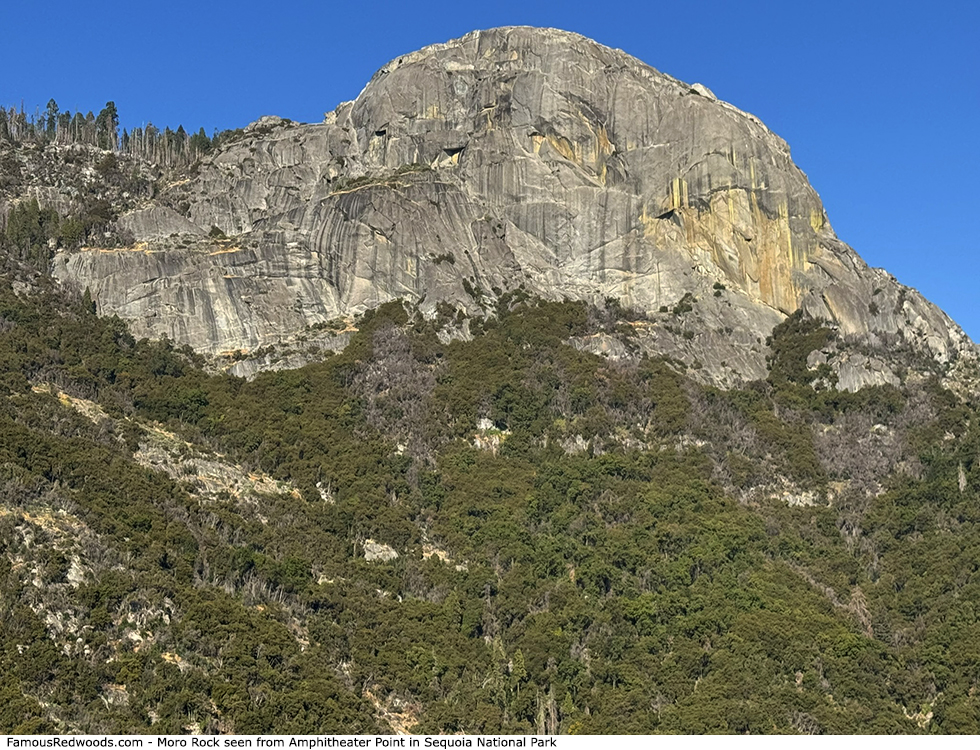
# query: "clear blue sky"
[[880, 101]]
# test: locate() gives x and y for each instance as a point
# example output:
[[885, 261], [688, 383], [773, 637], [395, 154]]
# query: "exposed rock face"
[[156, 222], [378, 552], [510, 157]]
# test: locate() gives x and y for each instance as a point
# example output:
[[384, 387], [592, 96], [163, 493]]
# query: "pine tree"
[[107, 127], [51, 119]]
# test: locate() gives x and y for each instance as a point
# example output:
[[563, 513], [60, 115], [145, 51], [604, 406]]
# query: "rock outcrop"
[[510, 157]]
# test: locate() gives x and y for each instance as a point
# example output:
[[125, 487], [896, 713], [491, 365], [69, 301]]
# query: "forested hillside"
[[504, 534], [65, 180]]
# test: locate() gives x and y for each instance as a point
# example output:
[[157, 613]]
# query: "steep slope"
[[507, 158], [504, 535]]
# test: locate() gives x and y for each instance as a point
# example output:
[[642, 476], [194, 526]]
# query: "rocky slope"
[[508, 158]]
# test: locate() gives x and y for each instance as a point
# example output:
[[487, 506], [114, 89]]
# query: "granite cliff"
[[515, 157]]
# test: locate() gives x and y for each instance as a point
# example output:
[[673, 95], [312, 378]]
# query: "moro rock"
[[509, 158]]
